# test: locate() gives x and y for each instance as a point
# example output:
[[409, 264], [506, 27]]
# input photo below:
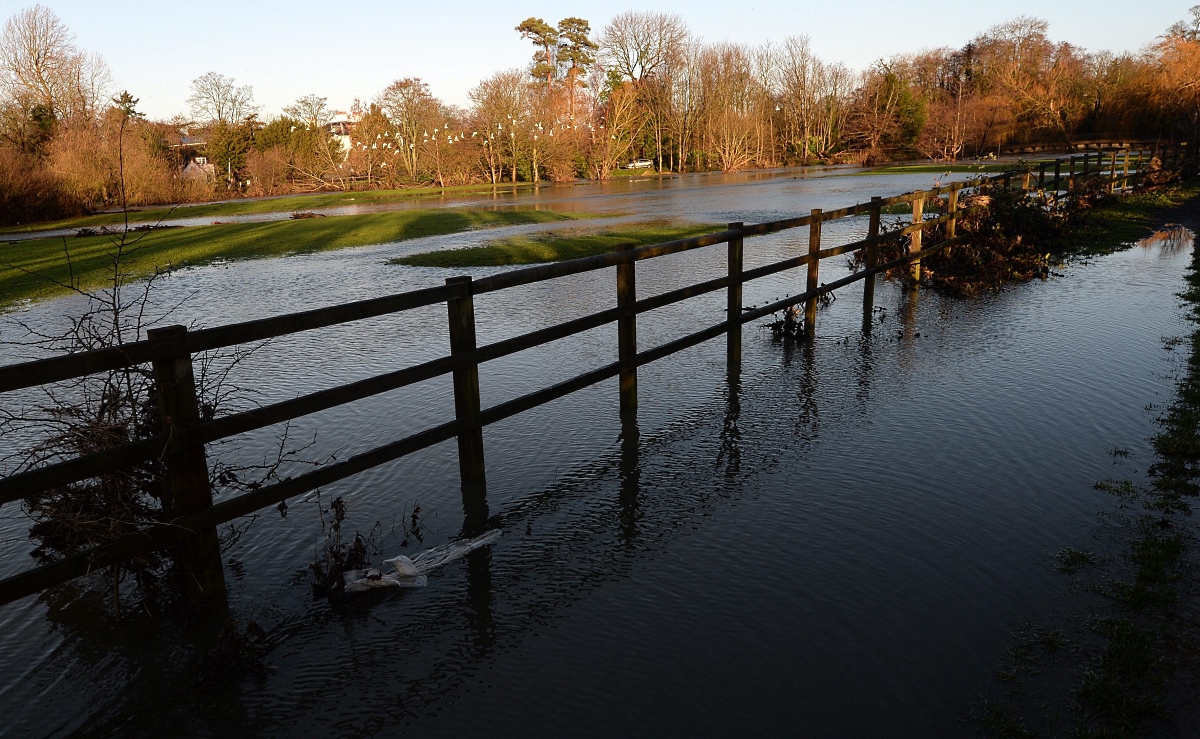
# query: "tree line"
[[643, 86]]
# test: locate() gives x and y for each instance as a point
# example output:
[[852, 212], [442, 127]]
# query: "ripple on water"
[[836, 542]]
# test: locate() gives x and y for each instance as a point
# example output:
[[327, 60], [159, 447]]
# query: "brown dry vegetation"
[[642, 86]]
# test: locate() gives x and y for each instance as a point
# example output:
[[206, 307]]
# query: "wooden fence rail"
[[191, 517]]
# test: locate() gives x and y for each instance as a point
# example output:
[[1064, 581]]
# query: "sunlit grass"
[[954, 167], [30, 269], [1119, 222], [284, 204], [557, 246]]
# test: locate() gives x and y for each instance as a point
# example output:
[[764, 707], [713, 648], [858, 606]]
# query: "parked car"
[[639, 164]]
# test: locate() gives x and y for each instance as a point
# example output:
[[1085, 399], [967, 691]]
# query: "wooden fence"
[[191, 517], [1090, 145]]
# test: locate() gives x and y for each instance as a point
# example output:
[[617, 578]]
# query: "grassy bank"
[[1119, 222], [29, 269], [954, 167], [556, 247], [283, 203], [645, 172]]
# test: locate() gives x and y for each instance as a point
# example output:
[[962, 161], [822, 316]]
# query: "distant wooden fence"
[[1090, 145], [191, 515]]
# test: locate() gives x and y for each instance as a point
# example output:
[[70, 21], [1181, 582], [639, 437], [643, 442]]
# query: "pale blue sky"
[[343, 50]]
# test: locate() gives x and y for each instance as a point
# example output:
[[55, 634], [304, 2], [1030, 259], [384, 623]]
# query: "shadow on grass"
[[39, 268], [556, 247]]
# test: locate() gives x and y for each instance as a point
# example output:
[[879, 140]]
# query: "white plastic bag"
[[410, 572]]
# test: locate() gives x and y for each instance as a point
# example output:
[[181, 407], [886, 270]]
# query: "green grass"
[[557, 246], [91, 256], [1120, 222], [934, 168], [648, 171], [283, 203]]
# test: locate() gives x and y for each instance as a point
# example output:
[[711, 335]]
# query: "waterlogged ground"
[[837, 544]]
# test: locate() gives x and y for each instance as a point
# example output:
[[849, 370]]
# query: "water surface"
[[836, 542]]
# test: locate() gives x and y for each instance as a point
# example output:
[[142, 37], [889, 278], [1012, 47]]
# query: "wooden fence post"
[[872, 258], [1112, 172], [1041, 180], [733, 300], [1071, 179], [1057, 178], [1007, 180], [814, 267], [1085, 163], [627, 338], [1125, 172], [188, 490], [952, 211], [1025, 179], [914, 268], [461, 313]]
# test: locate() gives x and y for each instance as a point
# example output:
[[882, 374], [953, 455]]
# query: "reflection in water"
[[809, 421], [908, 311], [866, 368], [170, 646], [727, 569], [475, 508], [730, 454], [1170, 240], [907, 359], [630, 475], [479, 601]]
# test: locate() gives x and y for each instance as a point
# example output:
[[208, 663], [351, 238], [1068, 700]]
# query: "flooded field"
[[837, 543]]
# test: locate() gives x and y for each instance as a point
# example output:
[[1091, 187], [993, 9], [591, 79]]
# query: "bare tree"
[[1176, 87], [312, 109], [686, 102], [413, 112], [500, 105], [613, 130], [327, 153], [40, 65], [731, 94], [639, 44], [800, 94], [216, 99], [1037, 76]]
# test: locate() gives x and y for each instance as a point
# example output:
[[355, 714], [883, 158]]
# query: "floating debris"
[[410, 572], [117, 231]]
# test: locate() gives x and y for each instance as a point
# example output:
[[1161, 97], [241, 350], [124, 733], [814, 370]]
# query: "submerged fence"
[[191, 517]]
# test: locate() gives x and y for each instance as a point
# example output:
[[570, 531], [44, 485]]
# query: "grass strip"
[[1117, 223], [557, 246], [969, 167], [279, 204], [31, 269]]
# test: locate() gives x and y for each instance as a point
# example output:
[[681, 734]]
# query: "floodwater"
[[632, 195], [837, 542]]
